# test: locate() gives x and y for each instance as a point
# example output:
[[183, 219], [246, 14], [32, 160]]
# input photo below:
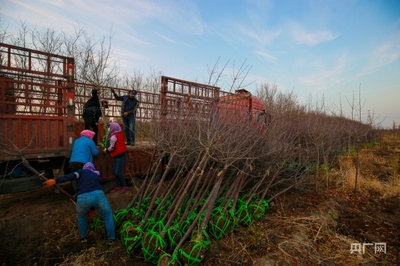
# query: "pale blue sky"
[[316, 48]]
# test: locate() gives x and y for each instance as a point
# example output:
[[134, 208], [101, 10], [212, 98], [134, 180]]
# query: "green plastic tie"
[[215, 230], [174, 234], [159, 244], [120, 216], [192, 258], [257, 210], [131, 243], [243, 215]]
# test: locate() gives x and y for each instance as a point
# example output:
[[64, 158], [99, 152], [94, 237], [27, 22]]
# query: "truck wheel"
[[20, 184]]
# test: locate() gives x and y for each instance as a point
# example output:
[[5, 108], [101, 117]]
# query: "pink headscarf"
[[87, 133], [90, 166]]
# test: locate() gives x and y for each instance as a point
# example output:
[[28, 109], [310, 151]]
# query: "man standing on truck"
[[92, 113], [128, 113]]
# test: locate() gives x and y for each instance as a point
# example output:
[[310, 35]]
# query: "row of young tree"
[[307, 133], [220, 175], [223, 175]]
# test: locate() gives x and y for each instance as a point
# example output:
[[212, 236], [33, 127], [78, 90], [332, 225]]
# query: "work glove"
[[50, 182]]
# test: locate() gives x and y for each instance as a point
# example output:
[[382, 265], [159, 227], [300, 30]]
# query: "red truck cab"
[[241, 107]]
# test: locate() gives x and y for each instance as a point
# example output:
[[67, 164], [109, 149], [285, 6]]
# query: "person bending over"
[[89, 193]]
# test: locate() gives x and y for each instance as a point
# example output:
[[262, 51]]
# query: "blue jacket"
[[86, 181], [83, 150]]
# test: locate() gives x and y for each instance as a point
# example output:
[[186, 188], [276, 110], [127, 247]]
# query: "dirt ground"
[[330, 226]]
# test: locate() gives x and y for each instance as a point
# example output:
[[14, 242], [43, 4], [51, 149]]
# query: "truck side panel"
[[33, 135], [139, 162]]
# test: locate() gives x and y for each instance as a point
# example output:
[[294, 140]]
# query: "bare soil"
[[302, 227]]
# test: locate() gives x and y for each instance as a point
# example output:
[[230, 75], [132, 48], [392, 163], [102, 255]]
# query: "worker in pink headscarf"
[[83, 150]]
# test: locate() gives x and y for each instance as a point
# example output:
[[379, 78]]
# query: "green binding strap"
[[202, 216], [152, 245], [265, 203], [257, 209], [243, 214], [234, 221], [159, 226], [174, 234], [195, 255], [131, 237], [120, 217], [188, 221], [192, 258], [168, 260], [178, 214], [145, 204], [138, 215], [219, 218], [156, 226], [148, 223], [185, 225], [157, 201], [164, 208]]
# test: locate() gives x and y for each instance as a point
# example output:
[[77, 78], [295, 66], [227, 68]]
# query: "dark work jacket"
[[93, 107], [128, 105], [86, 181]]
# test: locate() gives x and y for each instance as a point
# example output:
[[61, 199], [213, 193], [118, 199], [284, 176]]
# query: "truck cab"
[[242, 107]]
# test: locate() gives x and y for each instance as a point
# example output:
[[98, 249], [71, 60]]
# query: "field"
[[323, 222]]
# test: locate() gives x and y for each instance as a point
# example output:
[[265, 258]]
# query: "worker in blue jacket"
[[83, 150]]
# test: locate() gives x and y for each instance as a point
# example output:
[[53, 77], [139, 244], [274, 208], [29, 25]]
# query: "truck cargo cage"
[[34, 86]]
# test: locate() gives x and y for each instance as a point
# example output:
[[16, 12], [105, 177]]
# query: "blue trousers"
[[117, 168], [129, 128], [99, 200]]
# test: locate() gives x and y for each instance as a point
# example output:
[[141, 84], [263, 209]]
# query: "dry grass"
[[97, 255], [289, 236], [379, 170], [296, 238], [305, 240], [90, 257]]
